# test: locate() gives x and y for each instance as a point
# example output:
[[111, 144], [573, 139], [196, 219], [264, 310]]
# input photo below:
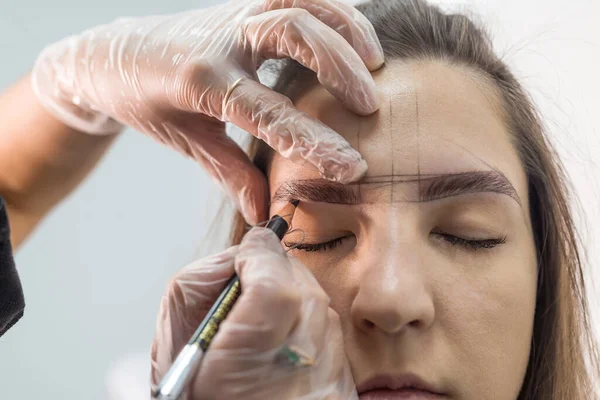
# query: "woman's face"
[[429, 260]]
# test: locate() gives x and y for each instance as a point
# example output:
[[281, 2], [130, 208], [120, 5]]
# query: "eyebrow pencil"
[[187, 362]]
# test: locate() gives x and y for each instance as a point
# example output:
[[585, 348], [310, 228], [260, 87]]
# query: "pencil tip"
[[295, 202]]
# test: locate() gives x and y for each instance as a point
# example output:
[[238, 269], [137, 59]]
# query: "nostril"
[[368, 324]]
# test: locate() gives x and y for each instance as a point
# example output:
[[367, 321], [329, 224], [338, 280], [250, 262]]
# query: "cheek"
[[487, 316], [338, 278]]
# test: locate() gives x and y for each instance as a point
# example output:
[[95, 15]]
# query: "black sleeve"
[[12, 302]]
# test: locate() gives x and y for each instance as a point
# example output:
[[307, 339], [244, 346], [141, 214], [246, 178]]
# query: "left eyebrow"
[[439, 187], [431, 187]]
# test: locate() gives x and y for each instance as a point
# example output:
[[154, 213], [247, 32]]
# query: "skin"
[[408, 299], [41, 159]]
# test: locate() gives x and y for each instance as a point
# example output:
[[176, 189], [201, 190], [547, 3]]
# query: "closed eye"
[[311, 247], [471, 244], [468, 244]]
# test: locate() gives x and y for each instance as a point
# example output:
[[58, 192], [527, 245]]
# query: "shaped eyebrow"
[[431, 187]]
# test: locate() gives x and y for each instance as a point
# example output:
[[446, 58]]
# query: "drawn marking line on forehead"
[[432, 187], [391, 147], [418, 141], [418, 128], [358, 144], [470, 152]]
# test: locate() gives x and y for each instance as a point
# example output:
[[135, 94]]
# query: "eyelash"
[[468, 244], [310, 247], [472, 244]]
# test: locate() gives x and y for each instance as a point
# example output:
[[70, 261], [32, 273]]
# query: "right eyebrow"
[[316, 190]]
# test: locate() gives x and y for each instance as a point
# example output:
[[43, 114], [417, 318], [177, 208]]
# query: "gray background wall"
[[95, 269]]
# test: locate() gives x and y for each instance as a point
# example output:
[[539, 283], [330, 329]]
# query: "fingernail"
[[379, 57], [351, 172], [246, 204], [252, 209], [249, 214], [373, 54], [355, 172], [345, 165], [252, 200], [369, 94]]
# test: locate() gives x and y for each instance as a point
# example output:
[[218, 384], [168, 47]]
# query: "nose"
[[393, 294]]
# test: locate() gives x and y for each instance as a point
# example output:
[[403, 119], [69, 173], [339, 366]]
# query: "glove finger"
[[226, 163], [310, 334], [269, 305], [345, 20], [242, 354], [295, 135], [188, 297], [296, 34], [245, 184]]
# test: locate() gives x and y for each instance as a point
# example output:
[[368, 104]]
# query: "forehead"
[[433, 119]]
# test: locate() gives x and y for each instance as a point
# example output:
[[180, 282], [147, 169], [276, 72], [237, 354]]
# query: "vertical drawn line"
[[391, 150], [358, 149], [418, 144], [418, 162]]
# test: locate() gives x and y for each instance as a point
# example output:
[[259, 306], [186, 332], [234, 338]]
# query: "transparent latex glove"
[[174, 78], [281, 304]]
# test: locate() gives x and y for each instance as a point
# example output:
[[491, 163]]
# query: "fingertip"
[[346, 166], [253, 209], [361, 94], [251, 195], [374, 57], [354, 172], [378, 58], [371, 45], [367, 99], [379, 63]]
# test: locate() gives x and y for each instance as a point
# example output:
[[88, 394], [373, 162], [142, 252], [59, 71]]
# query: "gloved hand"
[[174, 78], [281, 304]]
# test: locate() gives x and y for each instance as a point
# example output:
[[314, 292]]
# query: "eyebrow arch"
[[431, 187], [467, 182]]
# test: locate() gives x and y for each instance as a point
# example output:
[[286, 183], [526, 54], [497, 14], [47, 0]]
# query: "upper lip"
[[397, 382]]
